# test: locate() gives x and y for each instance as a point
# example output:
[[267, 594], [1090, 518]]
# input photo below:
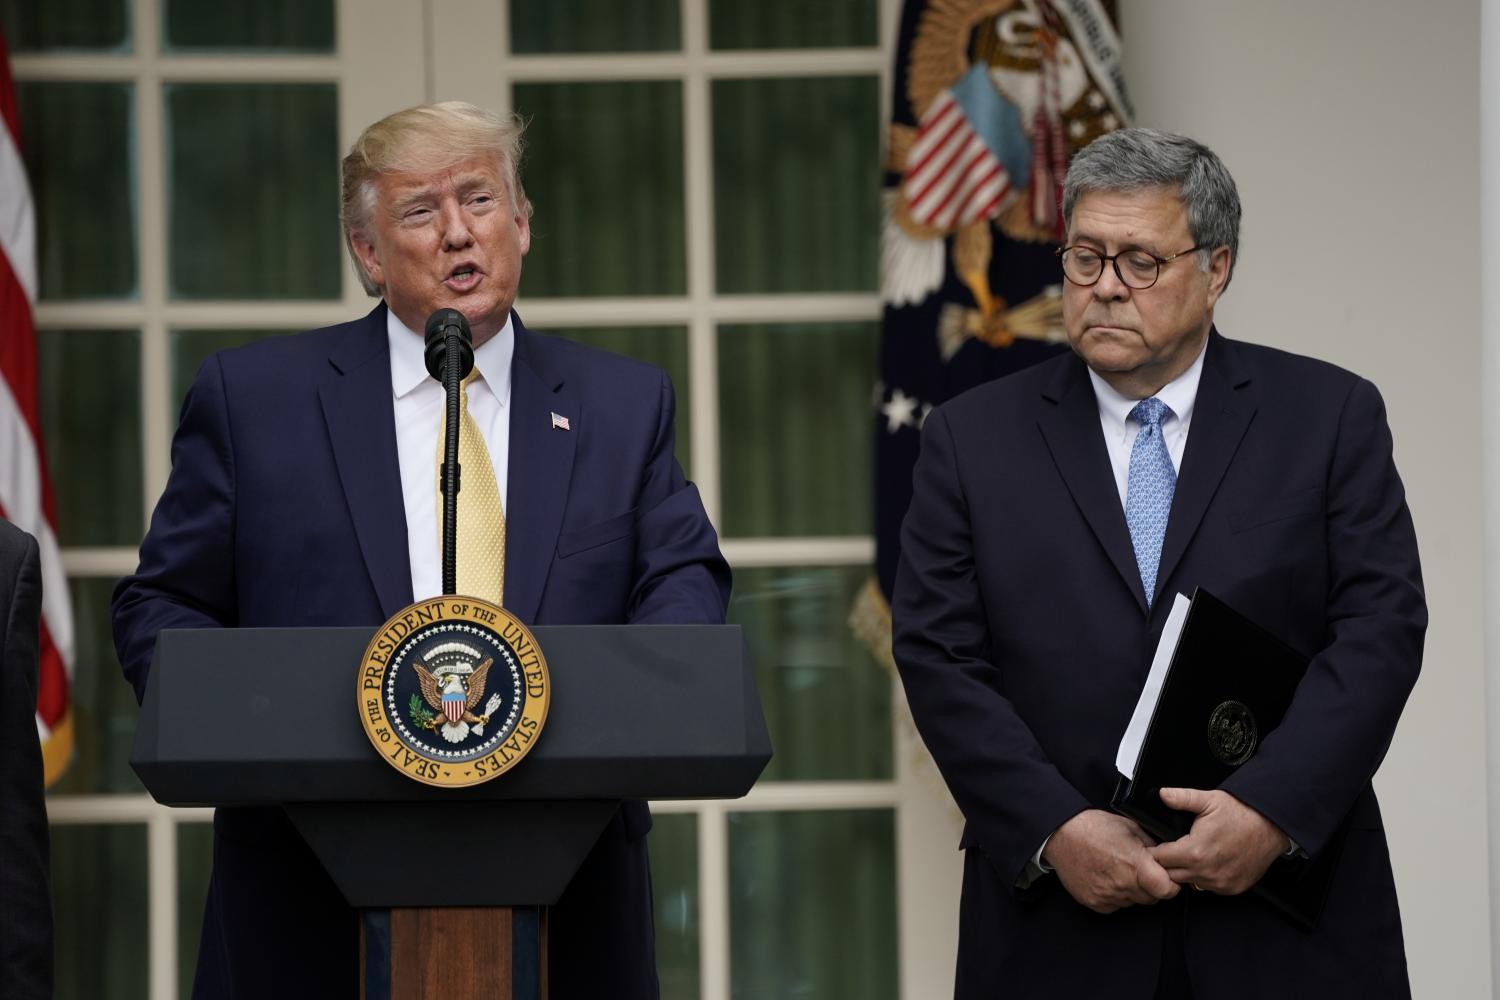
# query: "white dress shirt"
[[418, 400]]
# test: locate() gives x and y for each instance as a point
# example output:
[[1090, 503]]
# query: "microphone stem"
[[450, 464]]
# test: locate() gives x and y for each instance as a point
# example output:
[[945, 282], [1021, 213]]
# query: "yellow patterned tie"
[[480, 554]]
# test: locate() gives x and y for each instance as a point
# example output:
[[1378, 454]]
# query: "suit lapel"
[[356, 400], [1071, 429], [1221, 414], [541, 465]]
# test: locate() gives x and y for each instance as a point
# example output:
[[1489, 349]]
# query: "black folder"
[[1229, 685]]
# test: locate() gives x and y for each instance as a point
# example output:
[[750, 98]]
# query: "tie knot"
[[1149, 412]]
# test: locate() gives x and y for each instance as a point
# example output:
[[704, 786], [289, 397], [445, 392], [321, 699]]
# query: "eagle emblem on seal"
[[454, 690]]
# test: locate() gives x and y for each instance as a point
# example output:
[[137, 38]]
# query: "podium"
[[257, 717]]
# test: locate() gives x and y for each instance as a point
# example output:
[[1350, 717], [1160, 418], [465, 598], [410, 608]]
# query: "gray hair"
[[426, 138], [1135, 159]]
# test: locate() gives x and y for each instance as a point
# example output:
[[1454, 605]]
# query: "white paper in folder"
[[1135, 733]]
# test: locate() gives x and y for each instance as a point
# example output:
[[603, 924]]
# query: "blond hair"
[[425, 139]]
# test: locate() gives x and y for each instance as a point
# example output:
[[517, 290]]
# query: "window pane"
[[662, 346], [605, 175], [812, 904], [190, 348], [104, 709], [794, 428], [89, 388], [827, 701], [783, 24], [99, 911], [593, 26], [796, 184], [280, 25], [39, 25], [674, 887], [79, 141], [195, 858], [253, 191]]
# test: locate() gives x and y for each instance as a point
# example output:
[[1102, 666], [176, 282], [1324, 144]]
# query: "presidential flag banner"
[[992, 97], [25, 490]]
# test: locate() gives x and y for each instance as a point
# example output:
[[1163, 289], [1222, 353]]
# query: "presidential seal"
[[453, 691], [1232, 734]]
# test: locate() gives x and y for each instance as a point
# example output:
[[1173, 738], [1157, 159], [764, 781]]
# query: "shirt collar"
[[409, 365], [1179, 394]]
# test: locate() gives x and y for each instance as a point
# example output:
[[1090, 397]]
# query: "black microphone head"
[[439, 324]]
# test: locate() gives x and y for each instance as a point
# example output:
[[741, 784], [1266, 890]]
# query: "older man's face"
[[1140, 339], [453, 238]]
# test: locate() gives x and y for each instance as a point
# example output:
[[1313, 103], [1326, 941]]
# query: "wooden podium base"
[[453, 953]]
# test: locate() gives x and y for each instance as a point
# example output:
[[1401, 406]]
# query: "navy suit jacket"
[[284, 508], [25, 898], [1023, 638]]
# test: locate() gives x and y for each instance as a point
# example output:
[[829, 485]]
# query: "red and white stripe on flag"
[[25, 490], [952, 177]]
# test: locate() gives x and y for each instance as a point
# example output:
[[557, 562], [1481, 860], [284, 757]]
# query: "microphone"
[[439, 326], [450, 357]]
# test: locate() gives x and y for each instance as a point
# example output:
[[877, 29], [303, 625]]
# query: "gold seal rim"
[[437, 772]]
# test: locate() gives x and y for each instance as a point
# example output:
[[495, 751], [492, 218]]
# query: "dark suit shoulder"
[[308, 350], [1281, 367], [574, 361], [14, 542], [1017, 395]]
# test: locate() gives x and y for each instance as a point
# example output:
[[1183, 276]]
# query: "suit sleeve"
[[1307, 773], [186, 574], [1010, 793], [25, 900], [680, 575]]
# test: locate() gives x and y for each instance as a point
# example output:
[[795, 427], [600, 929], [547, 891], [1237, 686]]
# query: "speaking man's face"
[[452, 238], [1139, 339]]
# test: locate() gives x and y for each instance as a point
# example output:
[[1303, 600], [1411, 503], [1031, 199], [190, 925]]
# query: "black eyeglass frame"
[[1114, 261]]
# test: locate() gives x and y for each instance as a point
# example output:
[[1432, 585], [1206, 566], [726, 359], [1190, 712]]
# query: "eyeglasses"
[[1135, 268]]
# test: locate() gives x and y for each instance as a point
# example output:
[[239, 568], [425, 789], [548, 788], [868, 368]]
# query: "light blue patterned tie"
[[1148, 491]]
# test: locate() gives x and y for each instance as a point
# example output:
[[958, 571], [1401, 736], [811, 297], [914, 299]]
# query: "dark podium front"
[[236, 717]]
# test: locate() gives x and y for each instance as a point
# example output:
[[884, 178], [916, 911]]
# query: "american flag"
[[25, 490], [953, 176]]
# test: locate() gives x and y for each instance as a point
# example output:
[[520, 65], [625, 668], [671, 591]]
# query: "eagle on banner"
[[992, 97]]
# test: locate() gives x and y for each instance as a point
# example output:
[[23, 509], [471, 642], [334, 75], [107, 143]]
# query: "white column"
[[1489, 352]]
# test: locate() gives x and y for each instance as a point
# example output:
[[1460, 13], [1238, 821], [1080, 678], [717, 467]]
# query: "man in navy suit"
[[303, 494], [1056, 514], [25, 898]]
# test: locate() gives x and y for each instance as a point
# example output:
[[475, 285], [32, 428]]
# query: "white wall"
[[1352, 129]]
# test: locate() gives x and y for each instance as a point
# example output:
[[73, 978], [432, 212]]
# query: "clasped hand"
[[1107, 862]]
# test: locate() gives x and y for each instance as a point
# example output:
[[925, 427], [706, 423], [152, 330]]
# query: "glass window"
[[812, 904], [89, 385], [662, 346], [796, 184], [99, 911], [604, 170], [252, 184], [40, 25], [827, 701], [790, 24], [77, 139], [674, 888], [104, 708], [195, 859], [794, 408], [538, 26], [259, 25]]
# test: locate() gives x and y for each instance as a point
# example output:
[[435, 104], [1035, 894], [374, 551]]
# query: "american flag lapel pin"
[[560, 423]]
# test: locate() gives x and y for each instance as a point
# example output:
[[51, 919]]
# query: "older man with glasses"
[[1055, 515]]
